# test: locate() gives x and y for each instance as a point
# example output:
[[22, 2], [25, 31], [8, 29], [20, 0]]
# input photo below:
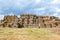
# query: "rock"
[[30, 21]]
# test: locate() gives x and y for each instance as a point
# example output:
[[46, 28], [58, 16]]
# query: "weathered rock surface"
[[30, 21]]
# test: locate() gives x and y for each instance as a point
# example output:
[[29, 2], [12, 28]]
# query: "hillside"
[[27, 34]]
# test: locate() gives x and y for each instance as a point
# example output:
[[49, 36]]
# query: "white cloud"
[[55, 14], [37, 1], [40, 8], [55, 1], [1, 17], [10, 13], [57, 9], [30, 6], [18, 16]]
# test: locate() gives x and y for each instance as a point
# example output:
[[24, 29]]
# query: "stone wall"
[[30, 21], [10, 21]]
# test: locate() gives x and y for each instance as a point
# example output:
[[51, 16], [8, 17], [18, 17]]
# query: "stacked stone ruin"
[[30, 21]]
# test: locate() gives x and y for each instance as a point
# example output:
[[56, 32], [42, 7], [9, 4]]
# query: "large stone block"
[[30, 21]]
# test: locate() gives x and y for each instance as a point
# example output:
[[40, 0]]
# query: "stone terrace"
[[30, 21]]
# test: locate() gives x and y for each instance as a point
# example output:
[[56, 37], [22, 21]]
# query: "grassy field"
[[27, 34]]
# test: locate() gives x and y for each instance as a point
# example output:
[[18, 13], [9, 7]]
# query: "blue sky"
[[38, 7]]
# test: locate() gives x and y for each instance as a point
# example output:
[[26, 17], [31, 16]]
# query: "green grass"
[[27, 34], [7, 31]]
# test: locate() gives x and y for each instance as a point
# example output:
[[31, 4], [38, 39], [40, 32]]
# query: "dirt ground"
[[30, 34], [54, 30]]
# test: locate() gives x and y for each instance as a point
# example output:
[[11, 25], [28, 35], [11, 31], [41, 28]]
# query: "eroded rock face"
[[30, 21], [10, 21]]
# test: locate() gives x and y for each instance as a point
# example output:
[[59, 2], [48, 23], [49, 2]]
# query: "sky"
[[38, 7]]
